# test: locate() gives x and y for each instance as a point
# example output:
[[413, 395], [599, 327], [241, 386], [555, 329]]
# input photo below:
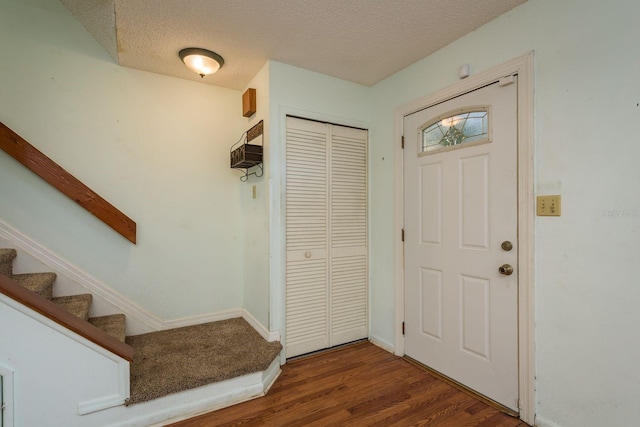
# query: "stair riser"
[[6, 261], [6, 268], [40, 283], [78, 305]]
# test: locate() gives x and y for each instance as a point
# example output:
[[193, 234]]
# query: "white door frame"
[[277, 204], [7, 384], [523, 66]]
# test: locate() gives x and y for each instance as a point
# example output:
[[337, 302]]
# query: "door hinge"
[[403, 234], [402, 328], [402, 142]]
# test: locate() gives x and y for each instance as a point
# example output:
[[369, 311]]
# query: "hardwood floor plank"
[[361, 385], [416, 414], [476, 407]]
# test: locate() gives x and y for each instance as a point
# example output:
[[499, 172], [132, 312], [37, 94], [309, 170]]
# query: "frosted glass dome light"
[[201, 61]]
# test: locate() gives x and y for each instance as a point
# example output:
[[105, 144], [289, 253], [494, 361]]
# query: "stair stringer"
[[71, 280], [107, 408], [56, 370], [58, 375]]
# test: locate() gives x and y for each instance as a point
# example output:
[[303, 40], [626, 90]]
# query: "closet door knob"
[[307, 254]]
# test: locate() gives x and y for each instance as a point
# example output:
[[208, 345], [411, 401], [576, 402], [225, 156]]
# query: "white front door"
[[460, 179]]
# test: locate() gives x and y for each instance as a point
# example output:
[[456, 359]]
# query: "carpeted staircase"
[[78, 305], [168, 361]]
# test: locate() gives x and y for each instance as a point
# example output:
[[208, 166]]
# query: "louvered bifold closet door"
[[326, 235], [348, 235], [306, 198]]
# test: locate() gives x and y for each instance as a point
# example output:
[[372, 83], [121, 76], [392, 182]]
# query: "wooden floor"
[[360, 385]]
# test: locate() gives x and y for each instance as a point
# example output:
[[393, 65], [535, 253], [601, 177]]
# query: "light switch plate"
[[548, 205]]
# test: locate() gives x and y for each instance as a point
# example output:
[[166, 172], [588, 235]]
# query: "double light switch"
[[548, 205]]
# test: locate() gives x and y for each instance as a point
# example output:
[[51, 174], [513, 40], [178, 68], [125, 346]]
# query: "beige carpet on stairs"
[[113, 324], [180, 359], [167, 361], [78, 305]]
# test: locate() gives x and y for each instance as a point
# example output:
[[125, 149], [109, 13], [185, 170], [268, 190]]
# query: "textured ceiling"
[[363, 41]]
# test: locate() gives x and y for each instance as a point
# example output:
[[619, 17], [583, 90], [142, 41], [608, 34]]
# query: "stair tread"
[[175, 360], [6, 261], [113, 324], [78, 305], [40, 283]]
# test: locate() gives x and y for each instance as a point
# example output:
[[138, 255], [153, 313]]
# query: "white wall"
[[78, 373], [155, 147], [310, 95], [256, 212], [123, 132], [587, 106]]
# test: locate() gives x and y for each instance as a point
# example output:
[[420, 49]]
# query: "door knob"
[[505, 269], [307, 254]]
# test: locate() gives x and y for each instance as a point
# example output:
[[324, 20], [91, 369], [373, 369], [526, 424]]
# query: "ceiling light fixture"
[[202, 61]]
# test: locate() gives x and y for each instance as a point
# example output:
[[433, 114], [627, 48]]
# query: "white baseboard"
[[100, 404], [191, 403], [262, 330], [382, 344], [272, 373], [139, 319], [542, 422], [201, 318], [223, 315], [106, 402], [145, 320]]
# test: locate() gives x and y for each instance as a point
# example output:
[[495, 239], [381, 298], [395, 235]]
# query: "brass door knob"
[[505, 269], [307, 254], [506, 246]]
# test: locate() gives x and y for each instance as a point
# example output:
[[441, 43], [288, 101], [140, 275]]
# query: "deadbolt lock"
[[505, 269], [506, 245]]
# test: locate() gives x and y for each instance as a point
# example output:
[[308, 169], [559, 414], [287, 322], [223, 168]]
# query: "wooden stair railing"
[[67, 184], [59, 315]]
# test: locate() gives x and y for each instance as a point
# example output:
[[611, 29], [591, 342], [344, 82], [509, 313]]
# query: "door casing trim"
[[523, 67]]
